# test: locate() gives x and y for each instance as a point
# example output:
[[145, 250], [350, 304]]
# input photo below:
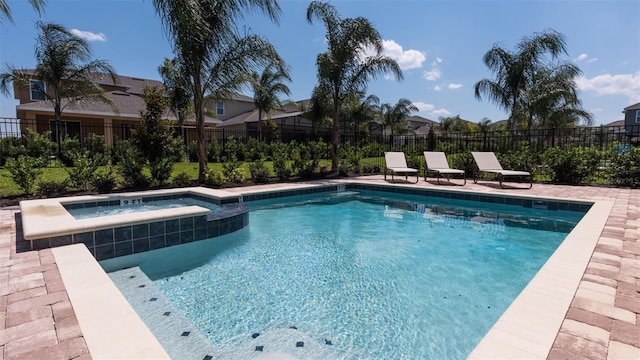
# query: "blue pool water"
[[368, 277], [108, 210]]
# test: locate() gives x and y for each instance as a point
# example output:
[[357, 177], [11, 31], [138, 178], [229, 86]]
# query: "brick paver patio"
[[603, 322]]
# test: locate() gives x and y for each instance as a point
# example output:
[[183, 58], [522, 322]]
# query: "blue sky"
[[438, 44]]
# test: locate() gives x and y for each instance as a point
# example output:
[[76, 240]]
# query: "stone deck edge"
[[110, 326]]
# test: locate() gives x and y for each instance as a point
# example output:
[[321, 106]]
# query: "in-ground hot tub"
[[48, 222]]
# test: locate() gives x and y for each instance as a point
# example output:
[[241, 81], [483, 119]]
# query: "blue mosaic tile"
[[60, 240], [140, 231], [172, 239], [104, 252], [172, 226], [156, 228], [140, 245], [123, 248], [186, 224], [156, 242], [84, 238], [186, 236], [104, 237], [122, 233]]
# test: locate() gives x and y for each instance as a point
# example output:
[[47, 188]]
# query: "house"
[[79, 120], [632, 120]]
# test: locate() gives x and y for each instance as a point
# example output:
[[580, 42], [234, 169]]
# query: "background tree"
[[154, 138], [394, 117], [267, 87], [344, 70], [64, 65], [552, 101], [178, 89], [5, 11], [360, 111], [514, 71], [319, 112], [217, 60]]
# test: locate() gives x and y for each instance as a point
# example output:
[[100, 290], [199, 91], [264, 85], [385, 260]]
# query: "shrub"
[[70, 148], [569, 165], [25, 171], [39, 146], [462, 161], [96, 146], [234, 148], [130, 168], [52, 188], [161, 170], [214, 152], [83, 170], [182, 180], [192, 151], [236, 175], [104, 180], [280, 167], [10, 148], [350, 160], [120, 150], [259, 171], [230, 166], [214, 178], [625, 168], [523, 159]]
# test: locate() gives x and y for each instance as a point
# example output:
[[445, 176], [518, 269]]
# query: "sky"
[[438, 44]]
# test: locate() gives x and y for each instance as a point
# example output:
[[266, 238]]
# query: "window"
[[67, 128], [37, 90], [637, 116], [220, 108]]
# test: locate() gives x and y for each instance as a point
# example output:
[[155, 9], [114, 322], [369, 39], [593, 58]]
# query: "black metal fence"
[[602, 138]]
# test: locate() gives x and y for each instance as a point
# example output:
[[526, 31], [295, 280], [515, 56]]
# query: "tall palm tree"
[[178, 88], [216, 58], [514, 71], [319, 111], [343, 70], [5, 11], [394, 117], [553, 100], [64, 65], [266, 90]]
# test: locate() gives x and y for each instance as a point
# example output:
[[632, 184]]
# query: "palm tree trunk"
[[335, 148], [202, 145]]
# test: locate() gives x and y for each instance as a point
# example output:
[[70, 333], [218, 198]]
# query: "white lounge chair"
[[397, 164], [437, 164], [488, 163]]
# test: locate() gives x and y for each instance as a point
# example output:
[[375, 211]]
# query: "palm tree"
[[342, 70], [5, 11], [64, 65], [217, 60], [553, 102], [394, 117], [266, 89], [319, 111], [178, 88], [514, 71]]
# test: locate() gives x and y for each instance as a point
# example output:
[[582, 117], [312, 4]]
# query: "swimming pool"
[[387, 280]]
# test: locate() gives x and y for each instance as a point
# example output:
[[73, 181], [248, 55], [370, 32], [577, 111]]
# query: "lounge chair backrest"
[[395, 159], [436, 160], [486, 161]]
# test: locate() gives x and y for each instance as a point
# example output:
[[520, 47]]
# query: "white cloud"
[[437, 88], [89, 36], [423, 106], [585, 58], [432, 75], [406, 59], [454, 86], [431, 109], [607, 84], [441, 112]]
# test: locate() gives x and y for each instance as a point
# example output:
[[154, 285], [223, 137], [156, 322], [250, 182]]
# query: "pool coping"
[[48, 218], [526, 329]]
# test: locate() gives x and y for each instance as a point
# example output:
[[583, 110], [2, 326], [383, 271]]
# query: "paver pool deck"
[[38, 320]]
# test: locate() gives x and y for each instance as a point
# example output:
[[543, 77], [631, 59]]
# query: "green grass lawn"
[[9, 188]]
